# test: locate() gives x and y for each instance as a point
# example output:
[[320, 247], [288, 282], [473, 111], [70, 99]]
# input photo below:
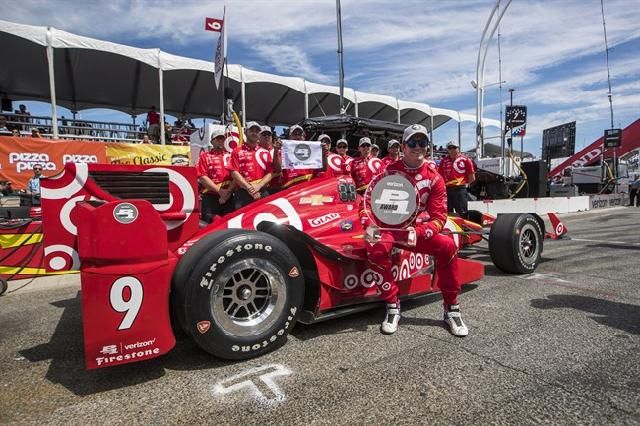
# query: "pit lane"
[[560, 346]]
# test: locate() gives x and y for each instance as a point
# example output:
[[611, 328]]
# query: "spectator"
[[35, 133], [22, 114], [5, 188], [153, 122], [16, 133], [145, 139], [33, 186], [3, 125], [168, 131], [634, 188]]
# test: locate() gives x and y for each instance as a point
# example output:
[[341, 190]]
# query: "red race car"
[[237, 286]]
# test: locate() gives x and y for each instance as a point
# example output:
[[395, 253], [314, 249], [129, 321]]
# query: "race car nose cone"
[[244, 293]]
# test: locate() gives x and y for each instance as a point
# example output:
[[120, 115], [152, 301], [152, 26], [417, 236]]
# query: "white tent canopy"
[[79, 73]]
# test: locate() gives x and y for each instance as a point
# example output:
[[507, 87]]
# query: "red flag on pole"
[[212, 24]]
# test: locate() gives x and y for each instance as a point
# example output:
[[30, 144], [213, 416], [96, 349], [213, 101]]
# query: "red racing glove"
[[426, 231]]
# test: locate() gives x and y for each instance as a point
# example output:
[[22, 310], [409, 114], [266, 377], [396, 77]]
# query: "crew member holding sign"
[[458, 171], [292, 176], [364, 167], [407, 189], [215, 179], [246, 170]]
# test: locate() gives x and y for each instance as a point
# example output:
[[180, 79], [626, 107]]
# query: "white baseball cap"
[[217, 132], [392, 142], [266, 129], [364, 141], [342, 141], [452, 143], [375, 146], [295, 127], [414, 129], [253, 124], [324, 136]]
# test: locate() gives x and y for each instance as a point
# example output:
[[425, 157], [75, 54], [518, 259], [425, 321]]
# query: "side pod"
[[126, 274]]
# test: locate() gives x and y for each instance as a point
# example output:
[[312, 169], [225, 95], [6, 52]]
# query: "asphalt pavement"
[[561, 346]]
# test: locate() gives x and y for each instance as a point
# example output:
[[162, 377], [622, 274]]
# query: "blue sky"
[[552, 51]]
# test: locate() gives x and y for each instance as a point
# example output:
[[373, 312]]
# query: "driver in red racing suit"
[[428, 239]]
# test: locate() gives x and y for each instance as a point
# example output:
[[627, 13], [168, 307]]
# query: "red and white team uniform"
[[247, 161], [455, 172], [433, 201], [215, 165], [363, 170], [386, 161], [336, 166]]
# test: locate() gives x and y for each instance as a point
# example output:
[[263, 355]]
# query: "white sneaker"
[[390, 323], [453, 318]]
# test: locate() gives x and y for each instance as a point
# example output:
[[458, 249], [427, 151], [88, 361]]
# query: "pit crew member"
[[246, 171], [458, 172], [214, 176], [364, 167]]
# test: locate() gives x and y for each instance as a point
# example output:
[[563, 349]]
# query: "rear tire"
[[243, 293], [515, 243]]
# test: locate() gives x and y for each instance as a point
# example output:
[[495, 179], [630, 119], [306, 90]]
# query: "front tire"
[[242, 295], [515, 243]]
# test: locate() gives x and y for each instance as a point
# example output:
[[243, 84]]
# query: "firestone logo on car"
[[26, 161]]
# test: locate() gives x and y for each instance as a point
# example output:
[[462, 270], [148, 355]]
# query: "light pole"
[[482, 56]]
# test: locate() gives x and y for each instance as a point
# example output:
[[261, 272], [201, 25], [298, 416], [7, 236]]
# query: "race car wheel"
[[243, 294], [4, 285], [515, 243]]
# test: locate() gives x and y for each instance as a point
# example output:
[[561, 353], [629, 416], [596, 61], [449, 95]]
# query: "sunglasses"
[[452, 147], [422, 143], [37, 169], [366, 145]]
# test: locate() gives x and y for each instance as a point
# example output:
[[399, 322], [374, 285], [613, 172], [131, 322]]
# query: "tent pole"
[[242, 94], [398, 104], [431, 134], [459, 135], [161, 83], [52, 83], [306, 100]]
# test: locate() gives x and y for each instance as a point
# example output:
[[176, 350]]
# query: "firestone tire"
[[4, 285], [515, 243], [243, 294]]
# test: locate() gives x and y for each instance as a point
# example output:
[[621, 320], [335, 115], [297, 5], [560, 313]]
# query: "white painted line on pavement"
[[604, 241]]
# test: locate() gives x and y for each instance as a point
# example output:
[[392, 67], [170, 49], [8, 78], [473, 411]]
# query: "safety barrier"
[[550, 204]]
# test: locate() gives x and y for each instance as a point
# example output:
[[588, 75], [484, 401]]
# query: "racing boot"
[[453, 319], [390, 323]]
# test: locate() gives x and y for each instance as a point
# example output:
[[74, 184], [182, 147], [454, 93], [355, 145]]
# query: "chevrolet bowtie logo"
[[316, 200]]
